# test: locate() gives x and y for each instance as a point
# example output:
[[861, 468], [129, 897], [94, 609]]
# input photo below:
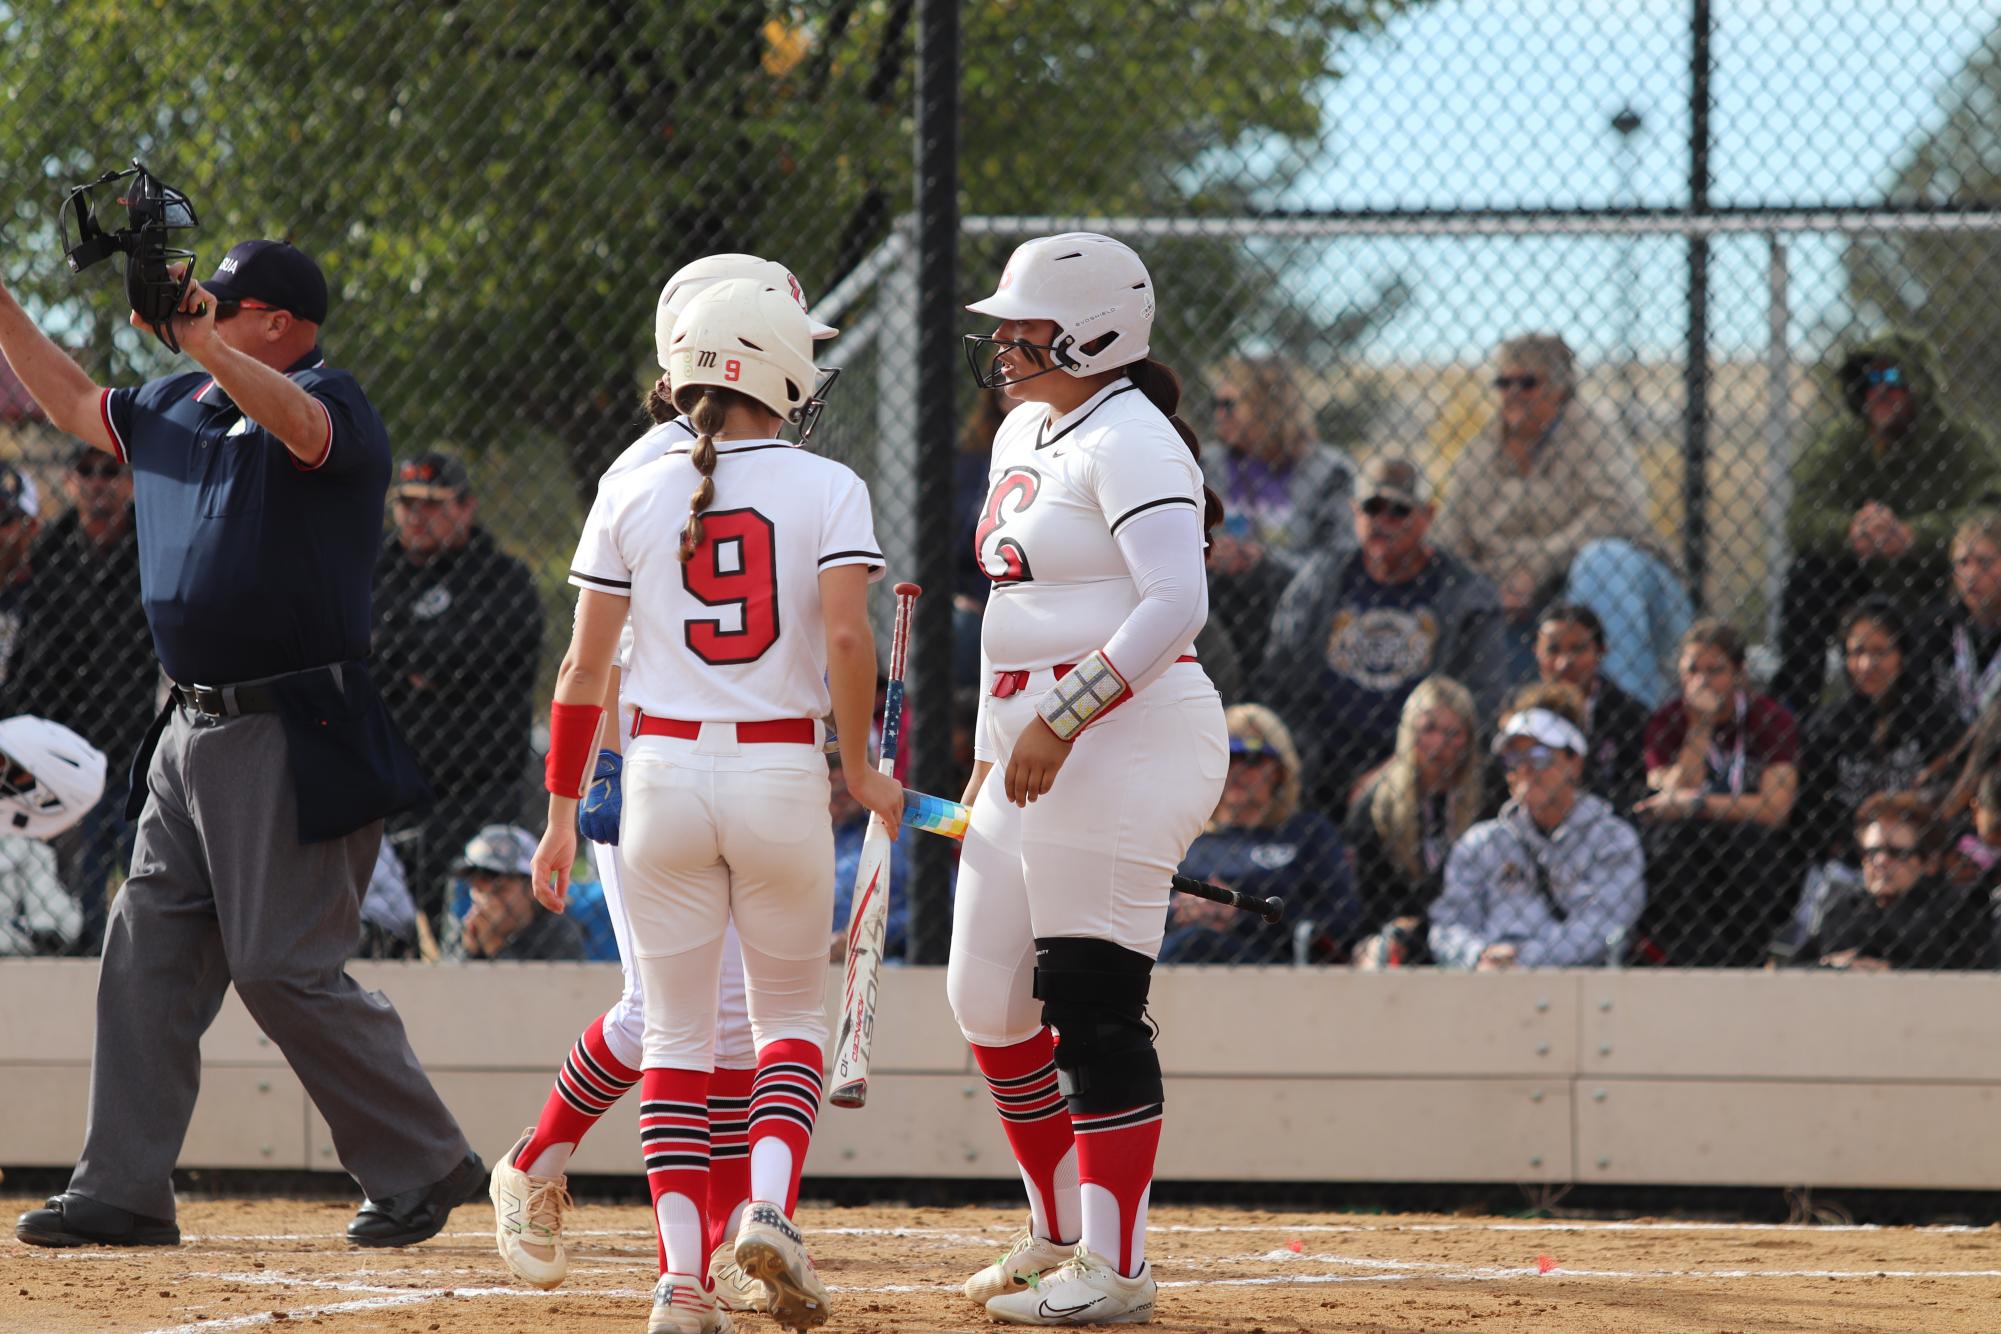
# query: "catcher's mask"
[[153, 284]]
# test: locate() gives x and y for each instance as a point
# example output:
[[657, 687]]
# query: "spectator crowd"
[[1475, 721]]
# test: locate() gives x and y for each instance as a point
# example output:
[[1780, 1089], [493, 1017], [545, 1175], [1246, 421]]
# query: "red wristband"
[[573, 737]]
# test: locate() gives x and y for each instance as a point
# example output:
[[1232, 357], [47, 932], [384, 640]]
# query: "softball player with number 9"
[[1101, 750], [744, 562], [529, 1185]]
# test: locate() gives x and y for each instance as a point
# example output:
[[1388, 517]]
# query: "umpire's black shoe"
[[420, 1214], [70, 1219]]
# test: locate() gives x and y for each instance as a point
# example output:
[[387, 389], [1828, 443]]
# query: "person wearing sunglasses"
[[1904, 914], [1556, 879], [1262, 842], [458, 639], [1291, 489], [1552, 503], [82, 657], [1355, 631], [1875, 501], [257, 476]]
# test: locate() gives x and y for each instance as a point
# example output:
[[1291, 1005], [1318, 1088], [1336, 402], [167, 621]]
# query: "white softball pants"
[[715, 832], [1091, 857]]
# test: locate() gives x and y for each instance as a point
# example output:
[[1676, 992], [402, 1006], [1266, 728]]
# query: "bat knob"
[[907, 590], [1274, 910]]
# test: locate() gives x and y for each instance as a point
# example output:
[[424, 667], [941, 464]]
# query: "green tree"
[[497, 189], [1945, 285]]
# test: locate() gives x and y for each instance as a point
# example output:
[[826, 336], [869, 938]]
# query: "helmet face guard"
[[808, 414], [156, 274], [1053, 356]]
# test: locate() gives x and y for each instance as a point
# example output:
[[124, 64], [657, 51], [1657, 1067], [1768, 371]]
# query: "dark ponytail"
[[1162, 388]]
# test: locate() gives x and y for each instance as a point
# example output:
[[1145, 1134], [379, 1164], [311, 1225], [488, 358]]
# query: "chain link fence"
[[1432, 274]]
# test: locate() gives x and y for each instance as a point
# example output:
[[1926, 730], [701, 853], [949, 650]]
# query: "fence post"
[[937, 360]]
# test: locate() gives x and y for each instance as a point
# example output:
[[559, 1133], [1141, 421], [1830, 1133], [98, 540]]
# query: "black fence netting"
[[1602, 405]]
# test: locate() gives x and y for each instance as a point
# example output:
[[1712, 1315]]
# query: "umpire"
[[261, 787]]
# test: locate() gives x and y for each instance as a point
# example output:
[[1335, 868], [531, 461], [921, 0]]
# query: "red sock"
[[729, 1148], [591, 1080], [674, 1137], [1115, 1154], [784, 1104], [1022, 1080]]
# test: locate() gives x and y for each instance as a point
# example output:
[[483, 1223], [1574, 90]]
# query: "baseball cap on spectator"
[[500, 849], [274, 272], [432, 476], [17, 493], [1546, 726], [1397, 480]]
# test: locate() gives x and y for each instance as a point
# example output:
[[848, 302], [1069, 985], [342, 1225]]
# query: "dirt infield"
[[259, 1264]]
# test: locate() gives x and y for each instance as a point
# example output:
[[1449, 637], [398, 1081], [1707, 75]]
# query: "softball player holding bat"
[[529, 1186], [744, 562], [1100, 751]]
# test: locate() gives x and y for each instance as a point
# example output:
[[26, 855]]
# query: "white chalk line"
[[1287, 1229]]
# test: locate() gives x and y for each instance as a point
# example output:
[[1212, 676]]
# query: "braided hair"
[[707, 418], [1162, 388]]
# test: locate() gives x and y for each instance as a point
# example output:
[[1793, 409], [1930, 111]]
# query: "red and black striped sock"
[[591, 1080], [784, 1104], [729, 1149], [674, 1137], [1115, 1156], [1022, 1080]]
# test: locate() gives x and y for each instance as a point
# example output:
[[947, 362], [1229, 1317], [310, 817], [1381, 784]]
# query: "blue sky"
[[1509, 103]]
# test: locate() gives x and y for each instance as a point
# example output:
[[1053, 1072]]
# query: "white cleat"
[[1024, 1259], [528, 1220], [1085, 1290], [769, 1248], [735, 1290], [681, 1307]]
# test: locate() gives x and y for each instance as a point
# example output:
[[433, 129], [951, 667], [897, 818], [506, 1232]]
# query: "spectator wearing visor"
[[257, 479], [458, 634], [49, 778], [504, 921], [83, 657], [1875, 502], [1356, 630], [1556, 879]]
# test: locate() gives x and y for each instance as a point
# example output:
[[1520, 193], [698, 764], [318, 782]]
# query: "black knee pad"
[[1093, 994]]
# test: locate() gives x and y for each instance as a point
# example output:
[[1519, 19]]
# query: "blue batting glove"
[[597, 815]]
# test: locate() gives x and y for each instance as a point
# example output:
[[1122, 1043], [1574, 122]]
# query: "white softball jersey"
[[736, 634], [1059, 492]]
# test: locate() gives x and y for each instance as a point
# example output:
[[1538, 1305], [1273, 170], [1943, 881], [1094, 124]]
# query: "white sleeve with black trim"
[[599, 564], [849, 535]]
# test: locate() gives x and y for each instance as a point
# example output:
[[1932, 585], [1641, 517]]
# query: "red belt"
[[793, 731], [1013, 683]]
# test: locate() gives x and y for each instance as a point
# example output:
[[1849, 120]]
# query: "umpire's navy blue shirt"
[[251, 563]]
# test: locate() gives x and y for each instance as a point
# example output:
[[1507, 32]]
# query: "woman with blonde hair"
[[1405, 821], [1292, 489], [1261, 842]]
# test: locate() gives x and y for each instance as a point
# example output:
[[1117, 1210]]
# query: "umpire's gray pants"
[[222, 891]]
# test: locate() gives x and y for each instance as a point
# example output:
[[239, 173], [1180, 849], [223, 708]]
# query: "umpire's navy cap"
[[274, 272]]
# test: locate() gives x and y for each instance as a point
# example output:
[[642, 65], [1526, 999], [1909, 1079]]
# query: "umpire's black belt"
[[243, 697]]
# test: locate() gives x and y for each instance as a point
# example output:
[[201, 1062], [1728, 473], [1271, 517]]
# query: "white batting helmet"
[[1094, 288], [52, 776], [745, 335], [706, 272]]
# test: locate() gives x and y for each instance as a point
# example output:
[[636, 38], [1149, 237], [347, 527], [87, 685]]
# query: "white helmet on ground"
[[704, 273], [1094, 288], [746, 335], [52, 777]]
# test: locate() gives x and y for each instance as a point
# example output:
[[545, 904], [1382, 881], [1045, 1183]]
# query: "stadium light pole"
[[929, 679]]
